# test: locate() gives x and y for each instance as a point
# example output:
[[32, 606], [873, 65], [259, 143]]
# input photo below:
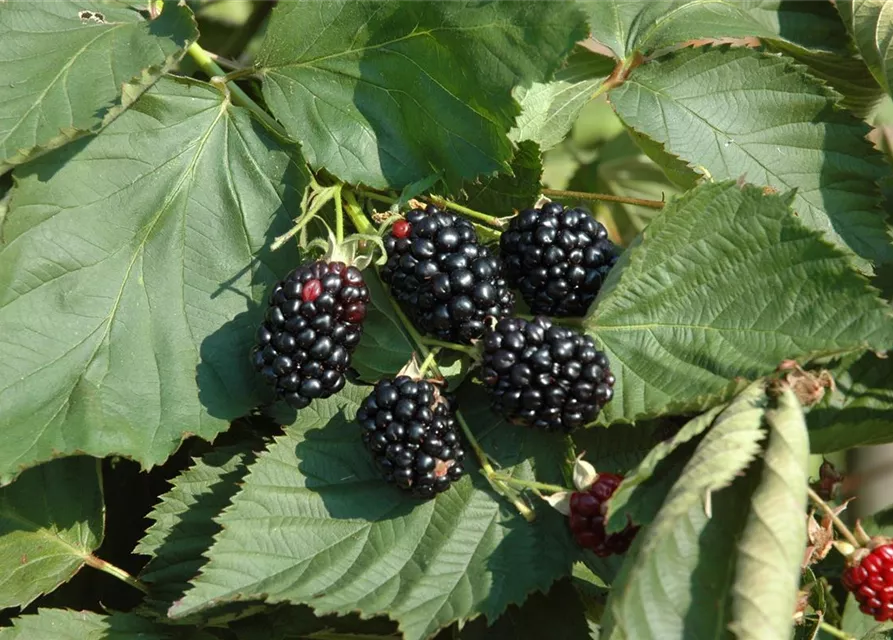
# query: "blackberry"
[[314, 322], [587, 518], [545, 376], [869, 577], [557, 258], [411, 430], [446, 282]]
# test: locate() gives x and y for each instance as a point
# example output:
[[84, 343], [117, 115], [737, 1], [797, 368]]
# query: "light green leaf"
[[685, 557], [871, 24], [738, 112], [316, 524], [51, 519], [184, 524], [385, 347], [858, 412], [770, 551], [132, 276], [386, 93], [626, 26], [63, 624], [698, 303], [549, 109], [65, 64]]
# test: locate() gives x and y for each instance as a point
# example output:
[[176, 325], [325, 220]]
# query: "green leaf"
[[503, 194], [65, 64], [385, 347], [871, 24], [549, 109], [62, 624], [684, 558], [386, 93], [132, 279], [51, 519], [737, 112], [846, 74], [184, 524], [770, 551], [858, 411], [616, 449], [632, 500], [626, 26], [699, 302], [300, 623], [316, 524]]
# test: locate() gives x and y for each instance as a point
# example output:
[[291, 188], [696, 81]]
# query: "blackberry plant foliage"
[[573, 260]]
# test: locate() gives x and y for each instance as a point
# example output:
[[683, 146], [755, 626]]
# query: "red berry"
[[870, 580], [587, 518], [401, 229], [311, 291]]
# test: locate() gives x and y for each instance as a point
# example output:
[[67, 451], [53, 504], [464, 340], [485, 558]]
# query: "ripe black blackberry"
[[411, 430], [314, 322], [447, 283], [545, 376], [557, 258]]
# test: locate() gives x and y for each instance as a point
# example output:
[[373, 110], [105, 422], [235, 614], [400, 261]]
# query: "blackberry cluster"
[[557, 258], [870, 580], [587, 518], [314, 322], [411, 431], [545, 376], [445, 281]]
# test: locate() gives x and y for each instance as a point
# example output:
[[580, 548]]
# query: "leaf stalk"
[[119, 573]]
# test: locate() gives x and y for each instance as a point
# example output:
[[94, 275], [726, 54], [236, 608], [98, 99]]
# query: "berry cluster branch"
[[605, 197], [838, 523], [107, 567]]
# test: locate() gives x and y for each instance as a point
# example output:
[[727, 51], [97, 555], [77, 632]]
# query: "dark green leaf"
[[300, 623], [385, 347], [184, 524], [316, 524], [859, 412], [549, 109], [770, 551], [51, 519], [626, 26], [737, 112], [132, 278], [503, 194], [871, 24], [64, 65], [62, 624], [387, 93], [699, 302]]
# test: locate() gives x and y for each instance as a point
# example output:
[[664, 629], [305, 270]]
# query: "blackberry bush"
[[557, 258], [410, 429], [546, 376], [313, 323], [446, 281]]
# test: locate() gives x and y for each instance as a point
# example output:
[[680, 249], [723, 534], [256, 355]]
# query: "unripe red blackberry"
[[445, 281], [546, 376], [869, 577], [410, 428], [557, 258], [314, 321], [587, 518]]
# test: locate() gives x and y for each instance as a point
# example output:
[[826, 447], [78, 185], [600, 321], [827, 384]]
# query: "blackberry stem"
[[471, 213], [834, 631], [359, 219], [583, 195], [429, 361], [838, 523], [213, 70], [107, 567], [530, 484], [339, 215], [434, 342]]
